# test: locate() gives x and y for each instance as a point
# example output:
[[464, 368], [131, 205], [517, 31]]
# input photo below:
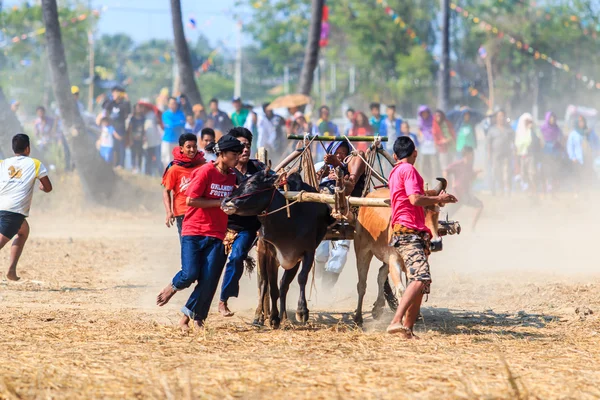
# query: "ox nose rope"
[[287, 206]]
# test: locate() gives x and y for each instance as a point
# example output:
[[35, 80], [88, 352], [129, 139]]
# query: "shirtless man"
[[331, 256]]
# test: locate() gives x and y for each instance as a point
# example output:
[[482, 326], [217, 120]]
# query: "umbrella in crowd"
[[289, 101]]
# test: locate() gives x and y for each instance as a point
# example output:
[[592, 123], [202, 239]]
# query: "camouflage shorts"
[[412, 250]]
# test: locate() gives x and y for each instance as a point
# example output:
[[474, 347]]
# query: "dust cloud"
[[519, 239]]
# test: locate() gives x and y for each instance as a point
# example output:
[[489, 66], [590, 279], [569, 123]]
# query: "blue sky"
[[147, 19]]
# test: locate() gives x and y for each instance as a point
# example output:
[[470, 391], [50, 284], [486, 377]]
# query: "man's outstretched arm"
[[45, 184]]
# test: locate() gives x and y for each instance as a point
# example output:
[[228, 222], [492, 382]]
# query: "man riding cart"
[[349, 175], [331, 256]]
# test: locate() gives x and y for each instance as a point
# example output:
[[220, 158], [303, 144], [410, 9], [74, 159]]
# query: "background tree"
[[182, 52], [97, 176], [10, 126], [24, 70], [311, 54]]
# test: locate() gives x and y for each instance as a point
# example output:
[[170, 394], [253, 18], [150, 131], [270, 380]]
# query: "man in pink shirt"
[[411, 236]]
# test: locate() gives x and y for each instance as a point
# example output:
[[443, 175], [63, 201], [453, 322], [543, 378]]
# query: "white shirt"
[[153, 131], [208, 156], [266, 132], [106, 137], [17, 178]]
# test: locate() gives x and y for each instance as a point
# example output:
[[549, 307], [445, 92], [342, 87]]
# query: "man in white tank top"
[[18, 175]]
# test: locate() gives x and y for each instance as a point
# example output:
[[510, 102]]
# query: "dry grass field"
[[513, 314]]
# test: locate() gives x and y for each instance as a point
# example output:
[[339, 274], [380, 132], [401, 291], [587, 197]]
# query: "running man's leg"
[[16, 250], [191, 248], [235, 269], [212, 260], [412, 250], [478, 205]]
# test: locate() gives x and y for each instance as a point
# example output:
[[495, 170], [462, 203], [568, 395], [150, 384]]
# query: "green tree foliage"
[[392, 67], [361, 35], [280, 28], [24, 68], [554, 29]]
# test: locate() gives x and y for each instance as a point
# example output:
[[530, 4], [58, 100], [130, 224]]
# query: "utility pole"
[[323, 82], [317, 80], [490, 78], [333, 78], [237, 90], [176, 77], [444, 73], [352, 78], [91, 52], [286, 80]]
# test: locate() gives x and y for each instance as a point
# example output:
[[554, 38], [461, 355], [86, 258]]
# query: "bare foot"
[[400, 329], [165, 295], [224, 310], [12, 275], [184, 324]]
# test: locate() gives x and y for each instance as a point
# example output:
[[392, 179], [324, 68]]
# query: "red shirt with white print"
[[208, 182]]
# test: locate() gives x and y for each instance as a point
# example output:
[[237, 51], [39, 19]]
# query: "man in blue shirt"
[[118, 110], [324, 127], [217, 119], [392, 126], [174, 121], [377, 120]]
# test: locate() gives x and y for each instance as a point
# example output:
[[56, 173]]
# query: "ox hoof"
[[275, 323], [302, 316], [358, 319], [258, 322], [377, 312]]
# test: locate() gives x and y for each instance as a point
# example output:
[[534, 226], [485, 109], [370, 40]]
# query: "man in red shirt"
[[203, 231], [177, 178], [411, 236]]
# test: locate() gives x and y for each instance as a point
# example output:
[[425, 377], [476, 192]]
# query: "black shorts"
[[10, 223], [469, 200]]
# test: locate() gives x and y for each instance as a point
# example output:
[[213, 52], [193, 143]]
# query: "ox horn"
[[441, 186]]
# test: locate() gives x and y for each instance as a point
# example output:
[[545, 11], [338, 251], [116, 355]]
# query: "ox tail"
[[313, 285], [249, 262], [250, 265]]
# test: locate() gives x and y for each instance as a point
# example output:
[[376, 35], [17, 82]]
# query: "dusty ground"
[[509, 317]]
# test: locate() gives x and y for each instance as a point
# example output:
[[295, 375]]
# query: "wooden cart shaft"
[[330, 199]]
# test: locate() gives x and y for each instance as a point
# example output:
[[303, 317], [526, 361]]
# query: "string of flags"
[[413, 35], [324, 39], [208, 63], [41, 31], [569, 20], [522, 46], [401, 23]]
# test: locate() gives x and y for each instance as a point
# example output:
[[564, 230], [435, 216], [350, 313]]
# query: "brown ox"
[[372, 238]]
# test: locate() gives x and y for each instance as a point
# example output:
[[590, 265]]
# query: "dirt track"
[[508, 317]]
